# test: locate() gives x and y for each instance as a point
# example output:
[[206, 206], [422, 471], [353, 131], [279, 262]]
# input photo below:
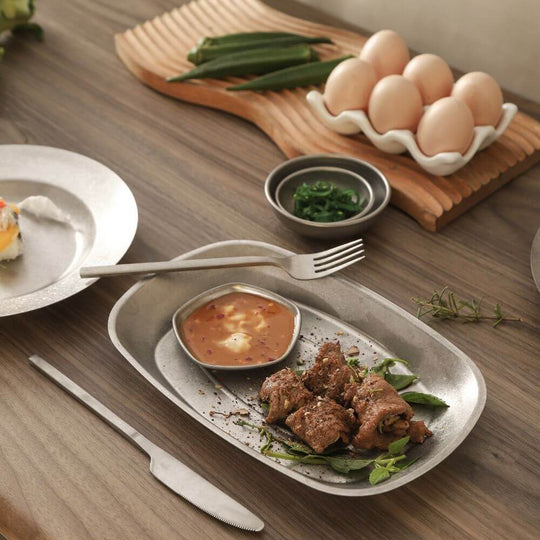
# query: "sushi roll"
[[10, 236]]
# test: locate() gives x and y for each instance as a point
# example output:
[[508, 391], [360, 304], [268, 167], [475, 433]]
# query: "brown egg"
[[387, 52], [482, 95], [447, 126], [395, 103], [431, 75], [349, 86]]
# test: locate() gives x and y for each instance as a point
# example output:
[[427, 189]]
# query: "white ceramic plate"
[[103, 217]]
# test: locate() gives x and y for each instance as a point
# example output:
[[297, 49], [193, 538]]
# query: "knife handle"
[[92, 403]]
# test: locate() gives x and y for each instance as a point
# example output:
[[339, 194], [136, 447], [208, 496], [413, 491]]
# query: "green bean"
[[244, 37], [249, 63], [204, 53], [292, 77]]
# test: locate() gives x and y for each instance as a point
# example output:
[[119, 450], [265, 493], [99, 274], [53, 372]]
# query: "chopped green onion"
[[325, 202]]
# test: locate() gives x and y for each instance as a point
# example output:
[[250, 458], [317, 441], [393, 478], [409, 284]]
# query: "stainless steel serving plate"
[[333, 308], [103, 221], [207, 296]]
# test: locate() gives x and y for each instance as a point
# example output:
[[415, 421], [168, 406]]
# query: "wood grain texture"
[[158, 48], [196, 174]]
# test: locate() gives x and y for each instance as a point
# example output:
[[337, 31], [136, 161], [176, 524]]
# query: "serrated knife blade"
[[165, 467]]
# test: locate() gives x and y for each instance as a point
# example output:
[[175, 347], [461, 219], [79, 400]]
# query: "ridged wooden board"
[[157, 49]]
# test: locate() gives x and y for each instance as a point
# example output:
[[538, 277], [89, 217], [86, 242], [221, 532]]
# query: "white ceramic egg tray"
[[397, 141]]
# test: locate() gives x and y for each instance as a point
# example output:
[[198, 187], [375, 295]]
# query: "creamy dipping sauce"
[[239, 329]]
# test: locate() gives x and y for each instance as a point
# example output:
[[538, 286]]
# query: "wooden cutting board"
[[158, 48]]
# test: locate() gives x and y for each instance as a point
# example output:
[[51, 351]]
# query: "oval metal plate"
[[332, 308]]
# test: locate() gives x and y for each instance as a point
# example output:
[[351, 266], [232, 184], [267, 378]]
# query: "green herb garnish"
[[397, 447], [325, 202], [399, 382], [379, 474], [444, 305], [337, 458], [423, 399]]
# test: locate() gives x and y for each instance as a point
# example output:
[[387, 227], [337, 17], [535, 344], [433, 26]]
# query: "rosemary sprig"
[[445, 305]]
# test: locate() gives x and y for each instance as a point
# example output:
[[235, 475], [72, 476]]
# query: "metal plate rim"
[[313, 483], [17, 160], [535, 259]]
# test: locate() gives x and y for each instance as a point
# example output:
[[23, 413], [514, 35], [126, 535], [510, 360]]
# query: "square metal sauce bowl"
[[189, 307]]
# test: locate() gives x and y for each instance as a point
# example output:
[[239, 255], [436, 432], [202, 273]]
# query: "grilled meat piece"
[[284, 393], [384, 416], [418, 432], [330, 373], [322, 423]]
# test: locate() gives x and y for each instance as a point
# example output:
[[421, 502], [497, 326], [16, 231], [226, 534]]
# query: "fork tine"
[[337, 268], [340, 261], [338, 255], [322, 254]]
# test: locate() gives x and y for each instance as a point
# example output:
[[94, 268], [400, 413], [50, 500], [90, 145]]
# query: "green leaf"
[[29, 28], [378, 475], [397, 447], [346, 465], [311, 459], [424, 399], [296, 448], [382, 368], [398, 360], [352, 362], [399, 382], [402, 465], [264, 406]]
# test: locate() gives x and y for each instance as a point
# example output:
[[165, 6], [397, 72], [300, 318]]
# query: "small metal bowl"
[[189, 307], [338, 229], [341, 178]]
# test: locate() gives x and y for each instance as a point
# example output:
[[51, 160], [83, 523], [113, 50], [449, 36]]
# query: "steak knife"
[[166, 468]]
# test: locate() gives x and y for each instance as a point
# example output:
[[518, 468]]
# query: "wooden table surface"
[[197, 176]]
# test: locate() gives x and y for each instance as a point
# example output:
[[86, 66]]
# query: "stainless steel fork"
[[311, 266]]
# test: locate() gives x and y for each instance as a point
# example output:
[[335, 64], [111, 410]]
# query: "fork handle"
[[129, 432], [175, 266]]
